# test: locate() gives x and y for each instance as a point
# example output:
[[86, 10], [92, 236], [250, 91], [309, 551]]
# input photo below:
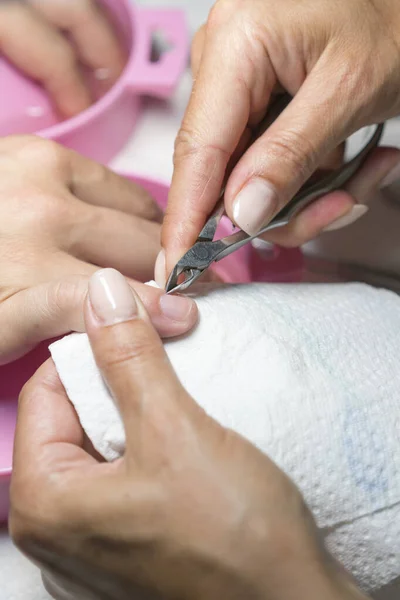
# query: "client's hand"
[[62, 216], [192, 511], [31, 36]]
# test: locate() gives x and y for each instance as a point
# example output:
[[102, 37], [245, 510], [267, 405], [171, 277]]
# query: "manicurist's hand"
[[341, 63], [32, 36], [61, 218], [191, 511]]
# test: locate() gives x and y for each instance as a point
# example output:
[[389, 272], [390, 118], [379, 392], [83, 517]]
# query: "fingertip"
[[70, 97], [180, 314], [353, 215], [313, 220], [111, 300], [171, 315]]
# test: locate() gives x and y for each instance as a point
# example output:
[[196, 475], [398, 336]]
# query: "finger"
[[131, 356], [45, 56], [342, 208], [95, 184], [212, 128], [277, 164], [40, 313], [366, 183], [171, 315], [55, 308], [314, 219], [110, 238], [95, 38]]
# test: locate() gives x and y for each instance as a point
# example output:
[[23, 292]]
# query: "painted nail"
[[176, 308], [111, 297], [356, 213], [391, 177], [159, 269], [254, 206]]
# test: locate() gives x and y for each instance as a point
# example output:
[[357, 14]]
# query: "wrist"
[[294, 564], [324, 579]]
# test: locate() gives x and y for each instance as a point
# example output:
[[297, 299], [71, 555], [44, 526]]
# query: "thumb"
[[278, 164], [133, 362], [41, 313]]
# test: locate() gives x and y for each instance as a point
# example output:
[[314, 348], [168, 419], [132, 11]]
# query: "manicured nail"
[[391, 177], [254, 206], [111, 297], [356, 213], [263, 248], [177, 308], [159, 269]]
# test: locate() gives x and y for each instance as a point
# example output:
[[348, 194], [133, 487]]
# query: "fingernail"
[[176, 308], [111, 297], [254, 206], [264, 248], [356, 213], [391, 177], [159, 269]]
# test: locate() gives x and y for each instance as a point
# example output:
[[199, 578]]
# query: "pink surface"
[[103, 129], [243, 266]]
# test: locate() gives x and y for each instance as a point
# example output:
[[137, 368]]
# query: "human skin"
[[191, 511], [341, 63], [32, 36], [62, 217]]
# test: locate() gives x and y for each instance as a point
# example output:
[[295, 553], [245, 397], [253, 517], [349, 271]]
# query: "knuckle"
[[293, 149], [14, 143], [66, 294], [49, 214], [44, 153], [189, 144], [185, 145], [136, 349]]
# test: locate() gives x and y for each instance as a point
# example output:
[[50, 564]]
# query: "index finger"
[[228, 93]]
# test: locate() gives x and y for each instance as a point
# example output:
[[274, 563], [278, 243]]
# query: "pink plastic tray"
[[243, 266], [102, 130]]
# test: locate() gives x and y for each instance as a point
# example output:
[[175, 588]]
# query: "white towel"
[[310, 375]]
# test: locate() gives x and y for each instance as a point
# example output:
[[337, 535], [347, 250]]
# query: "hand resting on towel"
[[191, 511]]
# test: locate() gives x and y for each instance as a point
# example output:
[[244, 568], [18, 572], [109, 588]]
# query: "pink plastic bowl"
[[102, 130], [243, 266]]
